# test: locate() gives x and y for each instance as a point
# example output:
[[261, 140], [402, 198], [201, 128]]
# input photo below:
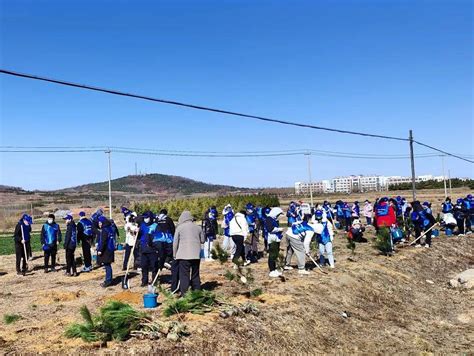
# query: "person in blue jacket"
[[163, 239], [447, 207], [347, 216], [50, 237], [469, 206], [275, 234], [292, 214], [21, 236], [251, 249], [106, 248], [460, 213], [228, 244], [423, 221], [148, 254], [85, 236], [70, 243]]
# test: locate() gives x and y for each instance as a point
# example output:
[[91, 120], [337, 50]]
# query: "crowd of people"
[[155, 243]]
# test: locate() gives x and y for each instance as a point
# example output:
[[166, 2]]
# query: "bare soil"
[[394, 304]]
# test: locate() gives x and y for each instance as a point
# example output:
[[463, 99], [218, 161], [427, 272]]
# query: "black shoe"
[[46, 270], [143, 284], [19, 273], [105, 284]]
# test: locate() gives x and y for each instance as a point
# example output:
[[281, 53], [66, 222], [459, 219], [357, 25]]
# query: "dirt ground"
[[394, 304]]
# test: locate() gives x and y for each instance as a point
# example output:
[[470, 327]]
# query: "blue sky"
[[377, 66]]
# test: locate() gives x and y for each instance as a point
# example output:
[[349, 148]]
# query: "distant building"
[[358, 183]]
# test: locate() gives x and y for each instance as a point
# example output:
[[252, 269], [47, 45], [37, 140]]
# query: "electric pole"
[[449, 177], [110, 184], [310, 180], [444, 177], [412, 158]]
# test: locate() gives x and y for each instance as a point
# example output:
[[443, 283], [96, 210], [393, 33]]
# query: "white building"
[[323, 186]]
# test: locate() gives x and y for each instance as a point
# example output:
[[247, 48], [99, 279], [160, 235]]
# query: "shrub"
[[11, 318]]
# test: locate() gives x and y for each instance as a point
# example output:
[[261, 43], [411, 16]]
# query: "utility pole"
[[412, 158], [449, 177], [444, 177], [136, 171], [309, 175], [110, 184]]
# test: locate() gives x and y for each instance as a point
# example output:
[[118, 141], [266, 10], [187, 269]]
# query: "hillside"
[[153, 184]]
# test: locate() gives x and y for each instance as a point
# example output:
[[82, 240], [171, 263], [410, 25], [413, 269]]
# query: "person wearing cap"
[[228, 243], [131, 231], [21, 237], [324, 235], [148, 254], [106, 248], [85, 236], [355, 209], [427, 207], [368, 211], [50, 237], [275, 234], [70, 243]]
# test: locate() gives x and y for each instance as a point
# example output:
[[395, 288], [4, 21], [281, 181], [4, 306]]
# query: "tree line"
[[433, 184]]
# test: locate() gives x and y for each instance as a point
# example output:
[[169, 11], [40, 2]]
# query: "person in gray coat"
[[187, 242]]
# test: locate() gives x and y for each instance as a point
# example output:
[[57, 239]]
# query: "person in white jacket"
[[368, 212], [325, 236], [239, 230], [131, 231]]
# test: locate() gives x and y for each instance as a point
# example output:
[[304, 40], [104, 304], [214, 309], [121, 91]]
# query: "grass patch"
[[11, 318]]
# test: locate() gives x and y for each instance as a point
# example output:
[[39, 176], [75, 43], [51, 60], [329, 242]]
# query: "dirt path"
[[391, 306]]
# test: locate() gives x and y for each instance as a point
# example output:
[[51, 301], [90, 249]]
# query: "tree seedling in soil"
[[194, 301], [11, 318], [383, 241]]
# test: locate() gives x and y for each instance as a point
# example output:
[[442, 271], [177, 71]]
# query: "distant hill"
[[154, 184], [9, 189]]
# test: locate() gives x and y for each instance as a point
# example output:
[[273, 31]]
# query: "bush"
[[197, 206], [195, 301], [115, 321], [383, 241]]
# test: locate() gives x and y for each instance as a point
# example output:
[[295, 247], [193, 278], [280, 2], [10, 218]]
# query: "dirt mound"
[[128, 297], [52, 297]]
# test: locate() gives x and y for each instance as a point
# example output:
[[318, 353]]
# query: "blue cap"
[[82, 213], [27, 218], [102, 219], [147, 214], [425, 203], [319, 214], [68, 217]]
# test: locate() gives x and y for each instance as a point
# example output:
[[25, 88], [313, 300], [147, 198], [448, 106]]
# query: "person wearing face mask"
[[70, 243], [85, 236], [21, 236], [50, 237], [148, 255], [208, 226], [106, 248]]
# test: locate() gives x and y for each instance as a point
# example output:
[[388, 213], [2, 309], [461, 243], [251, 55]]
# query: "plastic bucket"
[[150, 300], [119, 247], [338, 225], [435, 232], [449, 232]]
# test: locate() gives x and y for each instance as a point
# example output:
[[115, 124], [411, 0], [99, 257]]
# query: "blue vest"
[[325, 236], [275, 223], [227, 218], [145, 231], [251, 218], [110, 238], [340, 212], [87, 226], [73, 240], [51, 233], [447, 208], [382, 210], [301, 228]]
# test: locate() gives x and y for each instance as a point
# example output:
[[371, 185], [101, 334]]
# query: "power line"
[[194, 106], [444, 152], [209, 154]]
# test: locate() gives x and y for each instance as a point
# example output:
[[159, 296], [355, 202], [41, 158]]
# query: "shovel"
[[24, 248], [151, 287], [423, 234], [125, 281], [317, 265]]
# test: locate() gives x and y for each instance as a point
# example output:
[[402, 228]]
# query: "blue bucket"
[[449, 232], [435, 233], [119, 247], [338, 225], [150, 300]]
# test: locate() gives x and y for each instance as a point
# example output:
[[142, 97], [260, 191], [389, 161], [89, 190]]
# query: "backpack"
[[397, 234], [111, 241], [208, 228]]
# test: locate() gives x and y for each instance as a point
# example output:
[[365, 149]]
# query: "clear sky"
[[377, 66]]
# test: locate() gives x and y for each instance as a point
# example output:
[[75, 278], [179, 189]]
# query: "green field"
[[7, 245]]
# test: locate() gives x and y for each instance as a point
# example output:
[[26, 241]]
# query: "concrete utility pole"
[[310, 180], [449, 177], [110, 184], [412, 158], [444, 177]]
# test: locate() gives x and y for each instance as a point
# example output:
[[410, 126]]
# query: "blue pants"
[[369, 220], [108, 273]]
